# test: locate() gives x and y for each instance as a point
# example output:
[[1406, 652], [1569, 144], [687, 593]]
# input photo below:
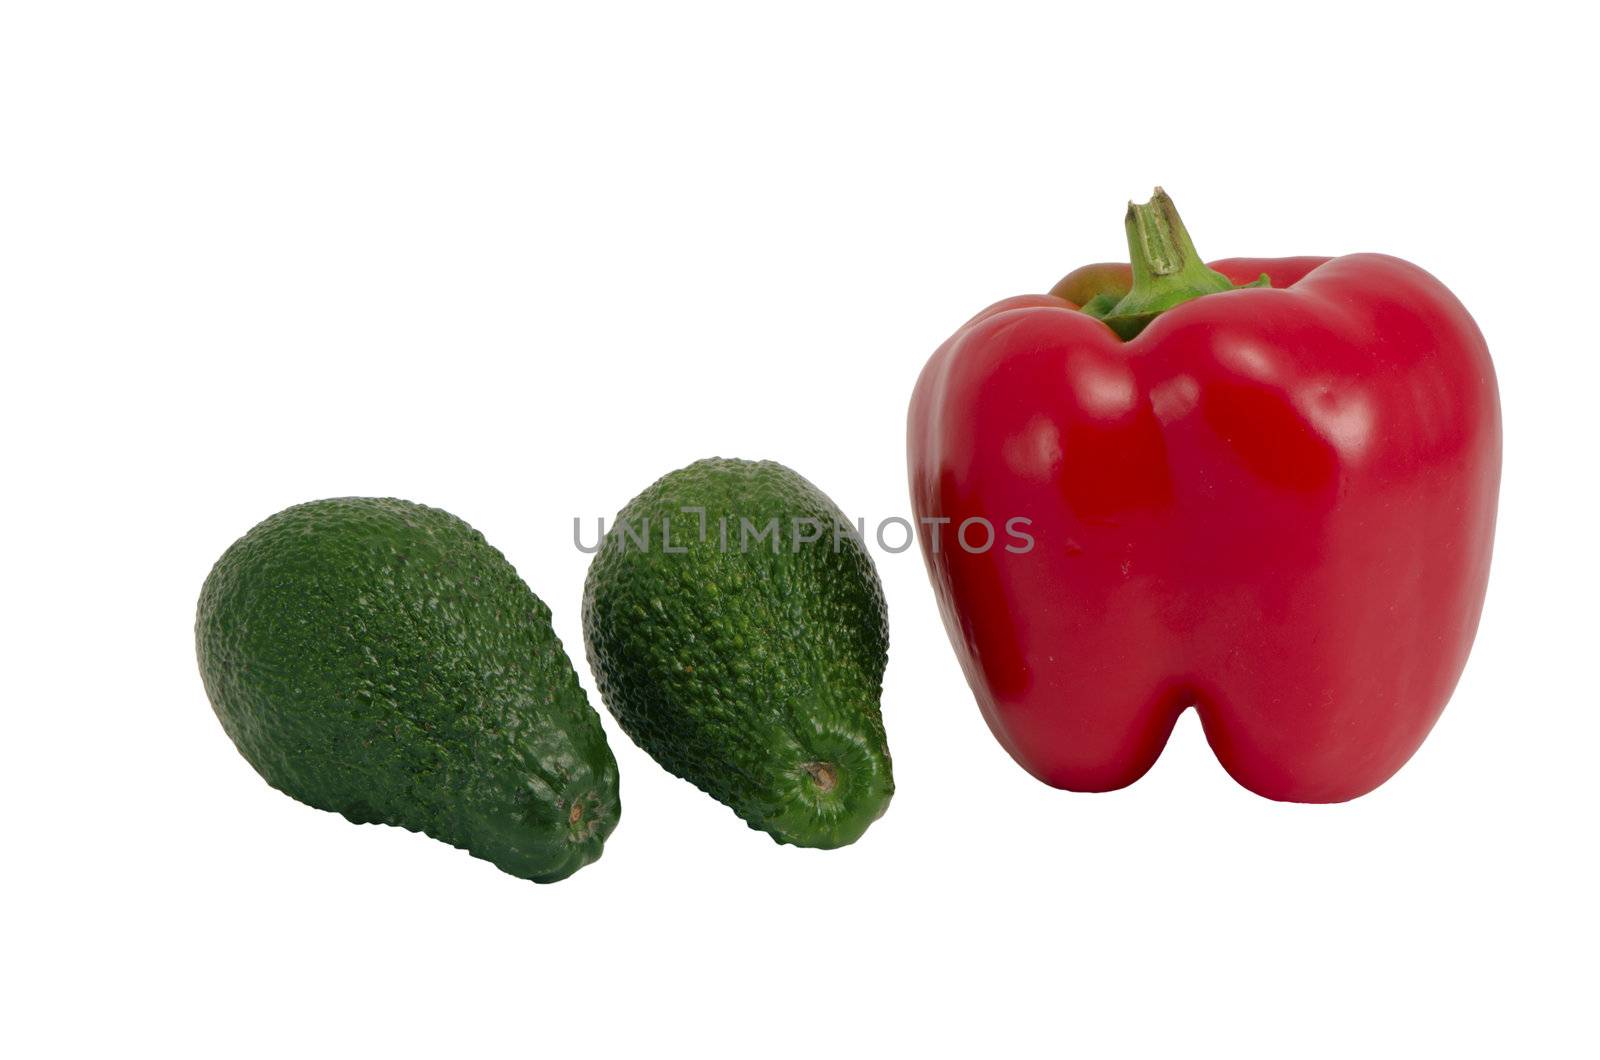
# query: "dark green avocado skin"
[[755, 675], [380, 659]]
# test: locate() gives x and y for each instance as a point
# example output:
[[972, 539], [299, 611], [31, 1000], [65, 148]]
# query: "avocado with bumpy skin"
[[380, 659], [737, 631]]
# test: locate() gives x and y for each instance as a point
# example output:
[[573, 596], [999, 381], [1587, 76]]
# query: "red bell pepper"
[[1263, 488]]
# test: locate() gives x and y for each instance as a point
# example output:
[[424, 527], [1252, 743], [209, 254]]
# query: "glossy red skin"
[[1276, 505]]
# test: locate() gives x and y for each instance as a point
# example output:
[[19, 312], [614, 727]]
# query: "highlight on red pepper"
[[1263, 488]]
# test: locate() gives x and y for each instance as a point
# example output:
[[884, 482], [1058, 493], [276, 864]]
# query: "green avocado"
[[379, 659], [737, 630]]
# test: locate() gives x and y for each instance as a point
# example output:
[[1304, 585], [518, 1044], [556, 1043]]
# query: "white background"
[[517, 264]]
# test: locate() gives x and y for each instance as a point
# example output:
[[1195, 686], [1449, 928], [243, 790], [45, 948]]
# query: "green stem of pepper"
[[1167, 270]]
